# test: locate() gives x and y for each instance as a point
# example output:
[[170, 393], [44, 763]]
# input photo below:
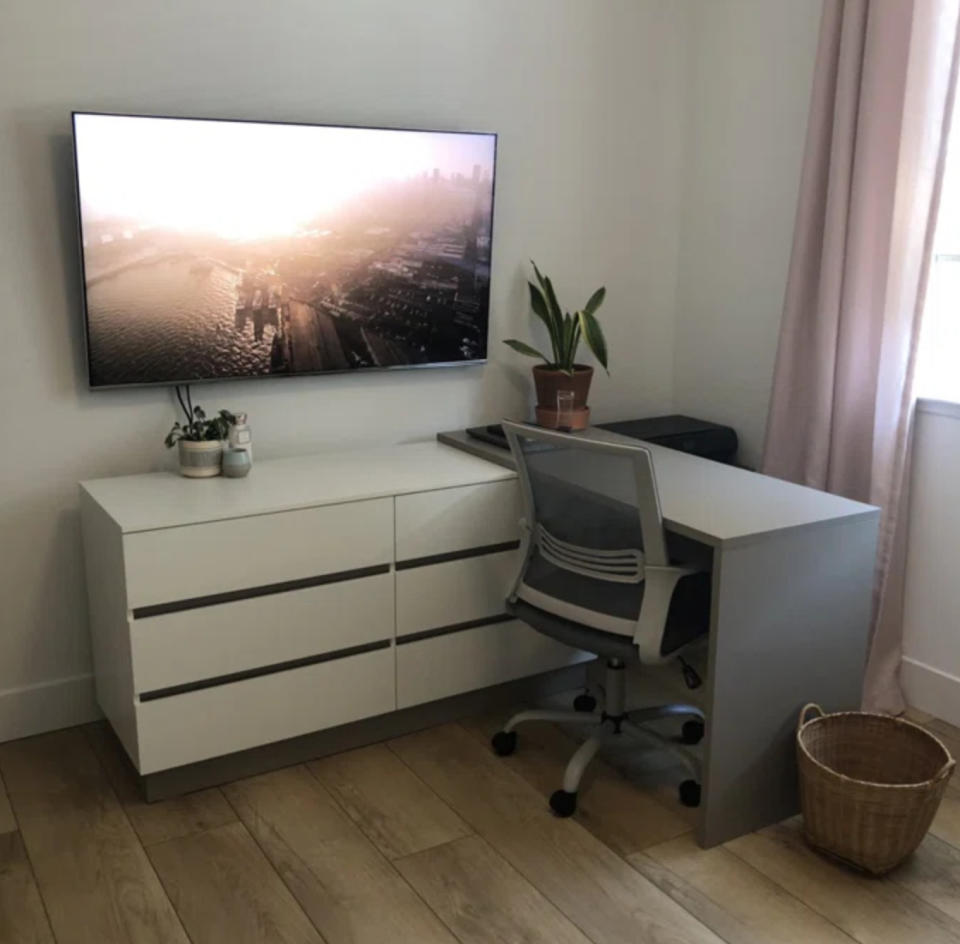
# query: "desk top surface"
[[710, 502]]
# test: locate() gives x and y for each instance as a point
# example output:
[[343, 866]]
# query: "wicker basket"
[[870, 785]]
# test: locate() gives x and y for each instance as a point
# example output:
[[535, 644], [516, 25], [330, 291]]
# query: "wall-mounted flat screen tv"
[[231, 249]]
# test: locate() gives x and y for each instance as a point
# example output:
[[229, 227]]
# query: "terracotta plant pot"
[[549, 383], [200, 460]]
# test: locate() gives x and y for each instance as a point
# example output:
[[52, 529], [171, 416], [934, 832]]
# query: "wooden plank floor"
[[426, 839]]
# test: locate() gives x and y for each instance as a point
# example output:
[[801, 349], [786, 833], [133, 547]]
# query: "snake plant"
[[565, 330]]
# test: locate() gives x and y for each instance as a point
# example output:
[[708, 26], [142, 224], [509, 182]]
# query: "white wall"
[[931, 621], [750, 70], [587, 96]]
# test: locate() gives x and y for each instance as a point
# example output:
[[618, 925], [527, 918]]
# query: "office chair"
[[595, 574]]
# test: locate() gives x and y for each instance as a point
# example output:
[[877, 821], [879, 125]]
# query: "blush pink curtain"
[[842, 403]]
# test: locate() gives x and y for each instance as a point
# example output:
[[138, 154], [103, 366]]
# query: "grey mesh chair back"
[[594, 546]]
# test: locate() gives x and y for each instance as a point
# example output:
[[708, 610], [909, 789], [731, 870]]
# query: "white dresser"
[[228, 614]]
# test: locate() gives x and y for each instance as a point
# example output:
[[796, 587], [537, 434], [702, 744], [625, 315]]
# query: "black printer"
[[684, 433]]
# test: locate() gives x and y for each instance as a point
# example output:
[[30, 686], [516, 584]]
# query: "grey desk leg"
[[790, 622]]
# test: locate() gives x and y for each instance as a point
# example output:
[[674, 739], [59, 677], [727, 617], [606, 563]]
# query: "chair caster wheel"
[[690, 793], [584, 702], [692, 732], [563, 803], [504, 743]]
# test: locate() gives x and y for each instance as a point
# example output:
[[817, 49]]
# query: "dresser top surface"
[[166, 500]]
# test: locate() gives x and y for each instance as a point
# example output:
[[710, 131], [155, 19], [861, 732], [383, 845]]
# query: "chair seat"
[[608, 645], [687, 619]]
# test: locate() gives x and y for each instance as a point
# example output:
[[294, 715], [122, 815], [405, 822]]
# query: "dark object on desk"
[[684, 433]]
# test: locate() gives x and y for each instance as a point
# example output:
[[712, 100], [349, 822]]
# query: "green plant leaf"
[[539, 276], [555, 313], [574, 343], [596, 300], [539, 305], [563, 361], [593, 335], [525, 349]]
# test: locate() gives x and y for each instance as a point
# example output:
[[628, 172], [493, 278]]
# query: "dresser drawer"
[[454, 592], [456, 519], [211, 641], [475, 658], [198, 560], [181, 729]]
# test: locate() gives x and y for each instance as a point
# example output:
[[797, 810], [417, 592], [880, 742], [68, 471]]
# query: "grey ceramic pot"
[[236, 463], [200, 460]]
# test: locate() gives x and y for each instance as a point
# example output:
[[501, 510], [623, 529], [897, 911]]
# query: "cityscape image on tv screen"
[[218, 249]]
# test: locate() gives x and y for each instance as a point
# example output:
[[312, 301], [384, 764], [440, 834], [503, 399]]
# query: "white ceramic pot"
[[200, 460]]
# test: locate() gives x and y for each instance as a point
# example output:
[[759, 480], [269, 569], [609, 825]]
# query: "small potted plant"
[[561, 374], [200, 439]]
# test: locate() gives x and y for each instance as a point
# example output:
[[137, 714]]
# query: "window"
[[938, 363]]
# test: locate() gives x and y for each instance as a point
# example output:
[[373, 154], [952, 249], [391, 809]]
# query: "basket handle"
[[946, 770], [809, 706]]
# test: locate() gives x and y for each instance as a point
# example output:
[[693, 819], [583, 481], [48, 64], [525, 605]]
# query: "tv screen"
[[230, 249]]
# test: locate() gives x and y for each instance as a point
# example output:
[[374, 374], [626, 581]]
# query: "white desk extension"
[[717, 505], [790, 614], [326, 589]]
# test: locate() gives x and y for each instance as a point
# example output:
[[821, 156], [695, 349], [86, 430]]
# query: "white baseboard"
[[931, 690], [60, 703]]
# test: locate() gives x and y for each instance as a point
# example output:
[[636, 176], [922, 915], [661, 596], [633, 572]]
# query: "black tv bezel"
[[232, 378]]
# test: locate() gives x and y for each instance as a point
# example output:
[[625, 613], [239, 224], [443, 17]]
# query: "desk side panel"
[[109, 620], [790, 622]]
